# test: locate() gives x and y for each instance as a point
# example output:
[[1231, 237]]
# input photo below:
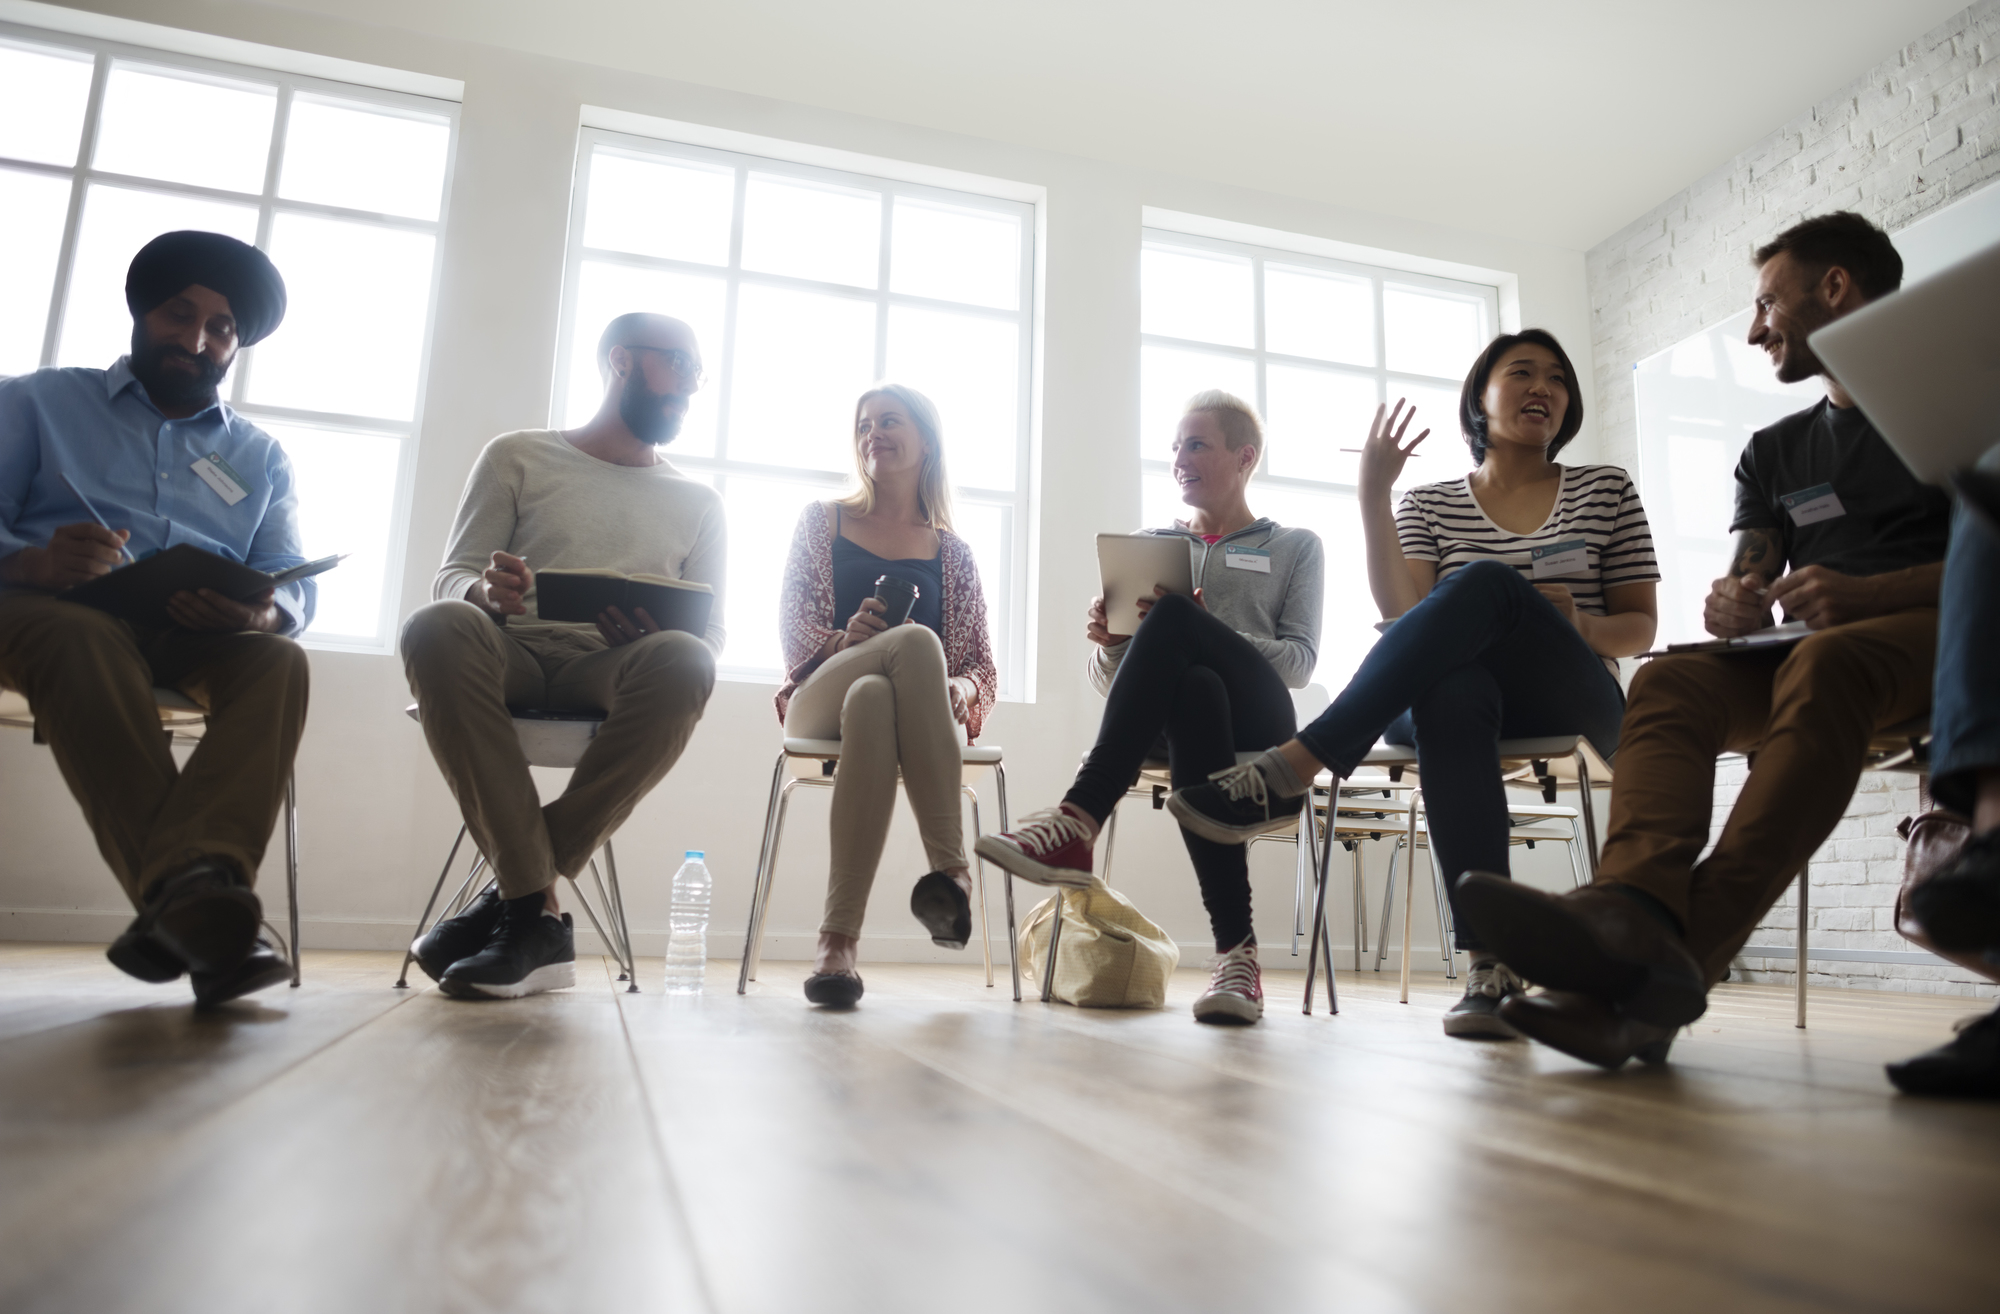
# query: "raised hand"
[[1384, 455]]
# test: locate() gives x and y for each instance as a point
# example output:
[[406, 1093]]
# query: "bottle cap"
[[696, 853]]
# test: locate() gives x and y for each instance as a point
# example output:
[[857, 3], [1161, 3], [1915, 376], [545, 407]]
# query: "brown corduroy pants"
[[1805, 715], [90, 679]]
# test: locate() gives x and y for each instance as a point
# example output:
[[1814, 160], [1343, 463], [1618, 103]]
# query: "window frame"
[[1153, 467], [83, 174], [1006, 584]]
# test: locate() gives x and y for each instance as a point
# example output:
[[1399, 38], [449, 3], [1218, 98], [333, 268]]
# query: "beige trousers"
[[466, 671], [887, 703], [90, 678]]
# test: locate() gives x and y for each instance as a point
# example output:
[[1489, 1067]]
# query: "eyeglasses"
[[679, 361]]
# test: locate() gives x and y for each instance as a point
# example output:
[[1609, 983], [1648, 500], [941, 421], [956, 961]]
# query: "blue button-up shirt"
[[137, 468]]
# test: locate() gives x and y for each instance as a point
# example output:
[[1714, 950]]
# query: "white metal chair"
[[1547, 761], [826, 754], [183, 721], [556, 740]]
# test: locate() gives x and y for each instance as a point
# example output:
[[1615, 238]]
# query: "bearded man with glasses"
[[596, 497]]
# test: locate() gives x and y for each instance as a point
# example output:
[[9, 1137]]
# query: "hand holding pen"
[[75, 553]]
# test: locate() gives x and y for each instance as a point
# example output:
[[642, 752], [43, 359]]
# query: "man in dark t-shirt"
[[1832, 532]]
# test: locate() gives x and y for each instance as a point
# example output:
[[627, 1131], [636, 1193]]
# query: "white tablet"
[[1130, 565], [1923, 365]]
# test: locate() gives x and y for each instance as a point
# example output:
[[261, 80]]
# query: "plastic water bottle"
[[687, 945]]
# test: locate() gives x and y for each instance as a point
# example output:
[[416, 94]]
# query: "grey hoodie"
[[1277, 610]]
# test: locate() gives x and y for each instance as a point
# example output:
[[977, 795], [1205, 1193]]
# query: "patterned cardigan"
[[806, 620]]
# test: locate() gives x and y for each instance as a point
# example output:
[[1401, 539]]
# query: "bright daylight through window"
[[1315, 345], [804, 286], [103, 149]]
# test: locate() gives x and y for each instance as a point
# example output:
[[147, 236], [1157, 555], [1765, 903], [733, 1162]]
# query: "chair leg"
[[1110, 839], [1447, 925], [292, 868], [763, 909], [1007, 884], [595, 924], [403, 977], [1318, 942], [1586, 812], [758, 879], [1409, 892], [1302, 866], [1389, 903], [1805, 888], [1360, 902], [613, 895], [979, 886]]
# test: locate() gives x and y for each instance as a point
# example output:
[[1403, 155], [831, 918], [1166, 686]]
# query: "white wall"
[[376, 820]]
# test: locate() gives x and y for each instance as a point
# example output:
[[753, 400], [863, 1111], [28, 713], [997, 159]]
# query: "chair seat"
[[548, 739], [177, 710], [829, 750]]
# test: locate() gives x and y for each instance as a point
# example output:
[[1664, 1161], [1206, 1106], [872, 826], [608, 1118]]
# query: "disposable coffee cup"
[[897, 596]]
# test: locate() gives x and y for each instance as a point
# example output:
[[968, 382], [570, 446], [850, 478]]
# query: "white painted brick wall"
[[1916, 132]]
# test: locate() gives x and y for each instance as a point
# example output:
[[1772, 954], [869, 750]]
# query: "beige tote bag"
[[1110, 955]]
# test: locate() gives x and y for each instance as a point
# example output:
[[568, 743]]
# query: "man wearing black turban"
[[98, 466]]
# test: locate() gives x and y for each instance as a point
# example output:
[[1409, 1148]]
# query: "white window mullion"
[[100, 73]]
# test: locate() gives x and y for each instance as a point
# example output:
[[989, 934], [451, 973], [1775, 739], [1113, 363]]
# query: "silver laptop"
[[1924, 365]]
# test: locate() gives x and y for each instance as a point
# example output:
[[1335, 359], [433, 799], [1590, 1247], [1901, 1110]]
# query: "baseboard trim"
[[1788, 953], [102, 925]]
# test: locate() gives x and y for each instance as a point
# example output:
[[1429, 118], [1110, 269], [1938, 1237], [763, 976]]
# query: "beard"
[[1798, 361], [645, 412], [192, 381]]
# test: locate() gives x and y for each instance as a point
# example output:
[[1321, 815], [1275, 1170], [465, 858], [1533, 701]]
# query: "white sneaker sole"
[[1008, 858], [1228, 1008], [552, 976], [1210, 829]]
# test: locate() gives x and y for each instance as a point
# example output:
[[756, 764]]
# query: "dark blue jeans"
[[1483, 658], [1965, 705]]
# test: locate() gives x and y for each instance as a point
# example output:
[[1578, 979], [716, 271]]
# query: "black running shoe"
[[453, 938], [1968, 1066], [944, 908], [199, 919], [529, 951], [264, 968], [1234, 807]]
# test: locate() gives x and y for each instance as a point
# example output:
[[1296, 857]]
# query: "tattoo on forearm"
[[1758, 551]]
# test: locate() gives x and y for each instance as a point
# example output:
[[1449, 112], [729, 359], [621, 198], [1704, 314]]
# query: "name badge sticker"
[[1567, 558], [217, 474], [1246, 558], [1809, 506]]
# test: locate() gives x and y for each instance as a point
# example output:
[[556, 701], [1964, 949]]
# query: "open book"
[[139, 592], [1776, 636], [580, 596]]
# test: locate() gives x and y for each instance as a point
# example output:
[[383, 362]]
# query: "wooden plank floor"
[[349, 1147]]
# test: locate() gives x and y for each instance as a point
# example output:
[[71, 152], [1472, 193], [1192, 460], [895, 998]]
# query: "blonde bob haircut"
[[1238, 418], [933, 488]]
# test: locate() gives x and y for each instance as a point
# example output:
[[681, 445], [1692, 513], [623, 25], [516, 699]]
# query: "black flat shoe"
[[834, 989], [945, 910], [264, 968]]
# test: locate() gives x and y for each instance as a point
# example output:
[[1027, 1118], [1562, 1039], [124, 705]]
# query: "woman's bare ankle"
[[836, 952]]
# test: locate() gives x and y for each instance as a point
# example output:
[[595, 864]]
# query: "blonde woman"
[[899, 698]]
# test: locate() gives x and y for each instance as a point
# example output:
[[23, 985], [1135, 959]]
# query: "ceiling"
[[1560, 121]]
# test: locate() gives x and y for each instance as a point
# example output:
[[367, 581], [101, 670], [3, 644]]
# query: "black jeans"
[[1483, 658], [1191, 677]]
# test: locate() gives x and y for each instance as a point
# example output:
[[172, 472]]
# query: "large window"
[[104, 147], [1315, 345], [804, 286]]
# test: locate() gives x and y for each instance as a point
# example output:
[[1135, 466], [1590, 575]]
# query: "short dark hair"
[[1845, 239], [1471, 398]]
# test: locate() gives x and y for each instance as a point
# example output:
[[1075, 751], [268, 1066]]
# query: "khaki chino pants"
[[466, 671], [90, 679], [887, 702], [1805, 715]]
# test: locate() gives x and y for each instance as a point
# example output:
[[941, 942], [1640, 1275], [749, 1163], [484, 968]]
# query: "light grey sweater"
[[532, 494], [1277, 610]]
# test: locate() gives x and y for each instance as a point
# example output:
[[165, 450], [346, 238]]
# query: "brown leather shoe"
[[1586, 1028], [1593, 941]]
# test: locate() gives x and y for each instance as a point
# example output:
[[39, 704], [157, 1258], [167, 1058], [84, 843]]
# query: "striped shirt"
[[1596, 506]]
